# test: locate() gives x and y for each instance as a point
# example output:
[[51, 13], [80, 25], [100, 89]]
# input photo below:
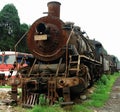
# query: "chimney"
[[54, 9]]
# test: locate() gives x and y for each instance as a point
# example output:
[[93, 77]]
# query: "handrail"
[[32, 67], [19, 41], [67, 51], [58, 67]]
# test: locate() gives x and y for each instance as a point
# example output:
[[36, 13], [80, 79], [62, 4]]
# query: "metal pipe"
[[32, 67], [67, 51], [19, 42]]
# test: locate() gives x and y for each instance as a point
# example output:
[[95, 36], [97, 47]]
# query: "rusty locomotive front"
[[66, 61]]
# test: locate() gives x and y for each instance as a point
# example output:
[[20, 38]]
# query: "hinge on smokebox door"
[[52, 94]]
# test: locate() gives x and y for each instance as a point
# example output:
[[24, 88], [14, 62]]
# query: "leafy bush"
[[43, 100], [102, 91], [103, 81], [38, 108]]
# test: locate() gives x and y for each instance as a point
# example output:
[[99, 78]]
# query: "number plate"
[[40, 37]]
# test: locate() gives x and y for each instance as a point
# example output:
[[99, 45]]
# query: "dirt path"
[[4, 96], [113, 104]]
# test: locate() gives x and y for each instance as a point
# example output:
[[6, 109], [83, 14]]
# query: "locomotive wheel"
[[84, 73]]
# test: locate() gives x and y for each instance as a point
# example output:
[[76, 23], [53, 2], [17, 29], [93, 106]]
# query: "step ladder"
[[31, 100], [52, 94], [74, 65]]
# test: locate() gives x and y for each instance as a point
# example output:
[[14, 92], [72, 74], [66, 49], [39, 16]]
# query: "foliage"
[[60, 100], [102, 91], [5, 86], [46, 109], [80, 108], [10, 28], [22, 47], [103, 81], [44, 105], [43, 100]]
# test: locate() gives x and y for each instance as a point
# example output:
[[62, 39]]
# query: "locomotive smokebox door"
[[46, 37]]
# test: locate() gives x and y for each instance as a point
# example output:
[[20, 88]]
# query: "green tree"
[[22, 46], [9, 27]]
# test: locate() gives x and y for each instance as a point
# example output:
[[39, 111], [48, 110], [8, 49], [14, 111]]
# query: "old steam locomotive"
[[66, 61]]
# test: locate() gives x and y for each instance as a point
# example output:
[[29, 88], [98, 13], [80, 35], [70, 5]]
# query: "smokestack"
[[54, 9]]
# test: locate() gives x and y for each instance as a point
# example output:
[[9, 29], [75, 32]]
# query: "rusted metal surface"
[[66, 94], [31, 100], [52, 94], [54, 9], [63, 58], [50, 85], [74, 65], [51, 48], [67, 103], [2, 79], [14, 92]]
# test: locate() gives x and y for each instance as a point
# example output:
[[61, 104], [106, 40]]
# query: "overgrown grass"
[[46, 109], [102, 91], [5, 86], [80, 108]]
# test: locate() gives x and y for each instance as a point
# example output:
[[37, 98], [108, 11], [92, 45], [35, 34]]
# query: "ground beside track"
[[113, 104]]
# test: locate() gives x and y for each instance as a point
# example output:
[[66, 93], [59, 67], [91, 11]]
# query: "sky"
[[100, 19]]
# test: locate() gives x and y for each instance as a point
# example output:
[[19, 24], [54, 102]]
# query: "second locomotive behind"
[[66, 61]]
